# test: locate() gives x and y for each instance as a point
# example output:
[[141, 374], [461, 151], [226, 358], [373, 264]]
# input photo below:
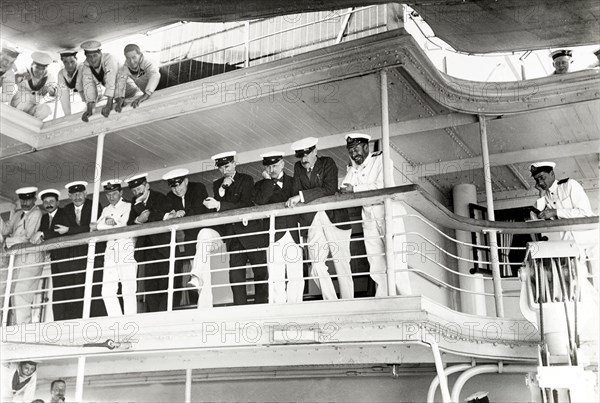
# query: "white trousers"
[[285, 259], [119, 266], [374, 232], [26, 282], [209, 242], [325, 238]]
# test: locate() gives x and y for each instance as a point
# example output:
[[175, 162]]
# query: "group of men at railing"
[[100, 75], [275, 254]]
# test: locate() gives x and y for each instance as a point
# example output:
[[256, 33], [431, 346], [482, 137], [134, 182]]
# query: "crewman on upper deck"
[[33, 86], [21, 229], [144, 73], [119, 262], [328, 232], [561, 199], [70, 80], [99, 69], [365, 172], [186, 199], [19, 381], [7, 71], [561, 60]]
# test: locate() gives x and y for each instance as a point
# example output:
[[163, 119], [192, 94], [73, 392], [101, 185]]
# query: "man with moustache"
[[142, 71], [186, 199], [20, 229], [33, 85], [328, 232], [285, 258], [99, 69], [58, 390], [119, 262], [366, 173], [70, 80], [75, 219], [149, 206]]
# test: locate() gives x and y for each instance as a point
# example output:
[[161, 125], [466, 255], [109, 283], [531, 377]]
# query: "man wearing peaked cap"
[[149, 205], [142, 71], [316, 177], [7, 71], [232, 191], [561, 199], [50, 198], [99, 69], [186, 199], [364, 173], [70, 80], [561, 60], [33, 86], [119, 264], [20, 229], [286, 254]]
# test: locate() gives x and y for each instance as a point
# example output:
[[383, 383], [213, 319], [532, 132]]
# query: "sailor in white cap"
[[561, 60], [316, 177], [365, 172], [149, 205], [186, 199], [19, 381], [142, 71], [561, 199], [33, 86], [99, 69], [119, 262], [285, 254], [70, 80], [20, 229], [7, 71]]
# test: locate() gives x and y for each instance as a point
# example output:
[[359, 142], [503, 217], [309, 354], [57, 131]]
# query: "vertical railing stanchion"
[[270, 255], [9, 276], [80, 378], [389, 245], [89, 278], [188, 385], [487, 176], [247, 44], [172, 249]]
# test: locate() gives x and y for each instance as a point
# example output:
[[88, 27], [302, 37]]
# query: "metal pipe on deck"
[[487, 176], [188, 385], [388, 169], [79, 379], [436, 381], [8, 285]]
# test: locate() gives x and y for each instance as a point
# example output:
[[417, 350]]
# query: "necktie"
[[309, 170], [49, 221], [78, 216]]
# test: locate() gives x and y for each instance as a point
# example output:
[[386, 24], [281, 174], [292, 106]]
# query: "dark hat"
[[223, 158], [176, 176], [112, 184], [26, 192], [77, 186], [137, 180], [10, 50], [544, 166], [68, 53], [50, 192], [272, 157], [353, 139], [562, 52], [304, 146]]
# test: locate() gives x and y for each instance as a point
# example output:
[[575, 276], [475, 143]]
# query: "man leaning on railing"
[[365, 172]]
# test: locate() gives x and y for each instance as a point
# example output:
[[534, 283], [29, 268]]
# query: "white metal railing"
[[442, 258]]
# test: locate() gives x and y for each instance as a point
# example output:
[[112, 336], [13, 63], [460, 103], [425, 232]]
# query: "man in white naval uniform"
[[142, 71], [565, 199], [70, 78], [119, 262], [99, 69], [21, 228], [366, 173], [33, 86]]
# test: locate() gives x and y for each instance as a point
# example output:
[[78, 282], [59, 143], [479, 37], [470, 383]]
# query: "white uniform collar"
[[552, 189]]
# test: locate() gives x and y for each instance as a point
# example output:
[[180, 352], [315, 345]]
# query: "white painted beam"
[[19, 125]]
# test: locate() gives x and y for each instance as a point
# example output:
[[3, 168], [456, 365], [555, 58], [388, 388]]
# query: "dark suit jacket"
[[239, 195], [194, 198], [266, 192], [70, 220], [159, 205], [48, 230], [323, 181]]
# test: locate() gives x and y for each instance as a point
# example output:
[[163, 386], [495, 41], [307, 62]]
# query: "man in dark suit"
[[186, 199], [316, 177], [232, 191], [150, 206], [50, 198], [75, 219], [285, 258]]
